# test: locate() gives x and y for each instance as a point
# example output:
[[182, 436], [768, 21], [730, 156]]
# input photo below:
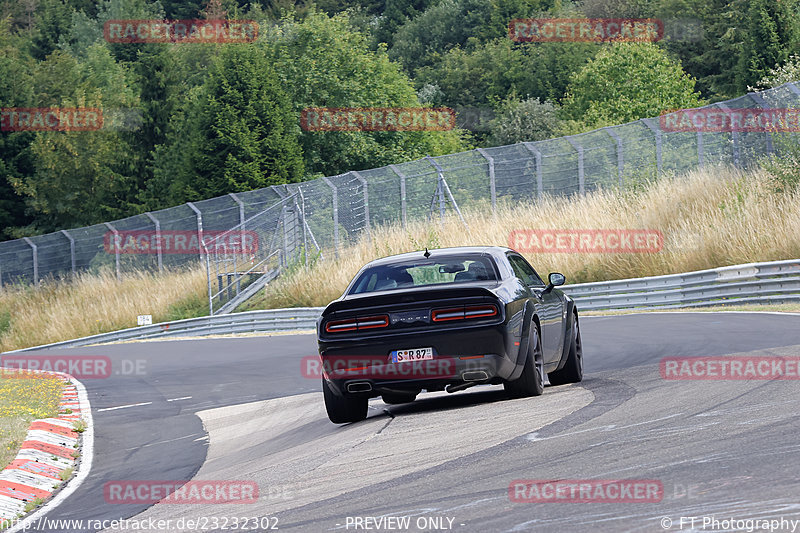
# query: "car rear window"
[[417, 273]]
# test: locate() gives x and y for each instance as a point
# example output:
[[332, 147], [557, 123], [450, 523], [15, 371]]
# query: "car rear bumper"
[[464, 355]]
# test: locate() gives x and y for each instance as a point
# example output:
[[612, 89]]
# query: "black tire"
[[342, 410], [573, 368], [530, 382], [394, 399]]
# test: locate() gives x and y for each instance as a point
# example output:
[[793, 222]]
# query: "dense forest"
[[188, 121]]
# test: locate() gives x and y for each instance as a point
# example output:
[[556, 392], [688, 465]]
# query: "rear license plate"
[[415, 354]]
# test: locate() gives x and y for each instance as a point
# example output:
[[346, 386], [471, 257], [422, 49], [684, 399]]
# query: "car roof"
[[439, 253]]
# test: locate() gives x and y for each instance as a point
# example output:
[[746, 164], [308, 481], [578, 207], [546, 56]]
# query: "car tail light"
[[463, 312], [480, 311], [442, 315], [357, 324]]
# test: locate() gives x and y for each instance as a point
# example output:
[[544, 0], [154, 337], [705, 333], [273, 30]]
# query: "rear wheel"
[[573, 368], [342, 409], [530, 382]]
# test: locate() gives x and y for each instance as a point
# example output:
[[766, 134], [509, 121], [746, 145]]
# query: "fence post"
[[159, 251], [734, 135], [620, 161], [539, 180], [444, 187], [303, 223], [759, 100], [492, 185], [657, 132], [241, 208], [581, 179], [335, 216], [35, 255], [200, 243], [71, 250], [366, 200], [116, 248], [402, 193]]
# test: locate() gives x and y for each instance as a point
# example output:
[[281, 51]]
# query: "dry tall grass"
[[709, 218], [90, 304]]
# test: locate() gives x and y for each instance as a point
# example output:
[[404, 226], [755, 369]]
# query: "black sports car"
[[446, 319]]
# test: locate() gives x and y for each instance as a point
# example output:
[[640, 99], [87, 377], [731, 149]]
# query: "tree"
[[626, 82], [525, 121], [16, 90], [80, 178], [771, 32], [501, 69], [237, 133], [323, 62], [451, 23]]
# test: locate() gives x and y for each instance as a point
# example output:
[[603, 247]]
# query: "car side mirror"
[[555, 279]]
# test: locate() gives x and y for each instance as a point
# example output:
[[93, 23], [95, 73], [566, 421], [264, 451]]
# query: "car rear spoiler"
[[406, 297]]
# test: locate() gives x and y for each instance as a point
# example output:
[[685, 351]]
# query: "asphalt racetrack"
[[240, 409]]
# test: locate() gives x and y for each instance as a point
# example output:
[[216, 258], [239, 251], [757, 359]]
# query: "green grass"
[[22, 400]]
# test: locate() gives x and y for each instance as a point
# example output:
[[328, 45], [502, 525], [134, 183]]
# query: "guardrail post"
[[35, 254], [200, 242], [116, 248], [620, 161], [71, 250], [159, 251], [539, 178], [492, 186], [366, 200], [657, 133], [578, 148], [402, 193], [759, 100], [335, 216], [734, 135]]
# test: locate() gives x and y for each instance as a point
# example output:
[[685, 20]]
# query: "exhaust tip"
[[476, 375], [359, 386]]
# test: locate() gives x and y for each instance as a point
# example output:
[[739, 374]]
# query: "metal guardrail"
[[770, 282]]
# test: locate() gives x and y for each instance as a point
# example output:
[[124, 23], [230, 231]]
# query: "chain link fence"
[[327, 214]]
